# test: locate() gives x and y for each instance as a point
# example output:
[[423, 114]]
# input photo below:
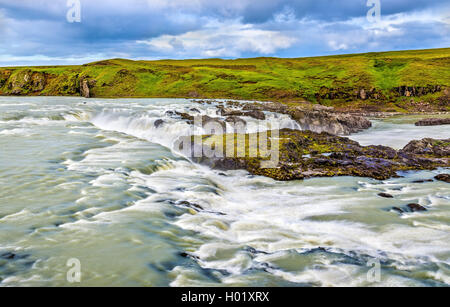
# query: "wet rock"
[[187, 204], [433, 122], [397, 209], [237, 122], [158, 123], [416, 208], [423, 181], [256, 114], [316, 118], [320, 119], [385, 195], [184, 116], [187, 255], [443, 177], [8, 256]]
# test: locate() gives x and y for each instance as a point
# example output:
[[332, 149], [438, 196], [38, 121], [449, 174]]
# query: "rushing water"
[[97, 181]]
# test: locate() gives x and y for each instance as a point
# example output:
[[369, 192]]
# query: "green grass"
[[278, 79]]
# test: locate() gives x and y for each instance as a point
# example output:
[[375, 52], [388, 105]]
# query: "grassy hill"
[[389, 80]]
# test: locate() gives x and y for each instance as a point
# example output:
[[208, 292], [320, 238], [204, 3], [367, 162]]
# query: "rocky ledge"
[[433, 122], [316, 118], [306, 154]]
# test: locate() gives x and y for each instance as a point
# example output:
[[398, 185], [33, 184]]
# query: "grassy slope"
[[257, 78]]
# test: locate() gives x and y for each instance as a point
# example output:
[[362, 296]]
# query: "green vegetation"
[[372, 79]]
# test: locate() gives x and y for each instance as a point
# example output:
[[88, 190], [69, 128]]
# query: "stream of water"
[[95, 180]]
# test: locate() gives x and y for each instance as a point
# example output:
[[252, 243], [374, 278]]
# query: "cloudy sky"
[[37, 32]]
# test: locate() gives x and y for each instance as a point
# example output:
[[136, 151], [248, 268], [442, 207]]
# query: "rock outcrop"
[[427, 146], [305, 154], [26, 82], [417, 91], [311, 117], [84, 89], [433, 122]]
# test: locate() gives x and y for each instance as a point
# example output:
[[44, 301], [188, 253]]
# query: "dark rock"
[[158, 123], [187, 204], [433, 122], [237, 123], [443, 177], [256, 114], [385, 195], [427, 146], [8, 256], [230, 112], [423, 181], [319, 119], [399, 210], [416, 207]]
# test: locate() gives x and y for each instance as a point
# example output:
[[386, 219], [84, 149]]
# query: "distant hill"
[[404, 80]]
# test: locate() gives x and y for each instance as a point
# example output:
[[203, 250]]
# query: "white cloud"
[[219, 39]]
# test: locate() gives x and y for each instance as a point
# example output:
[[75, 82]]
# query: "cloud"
[[219, 39], [36, 31]]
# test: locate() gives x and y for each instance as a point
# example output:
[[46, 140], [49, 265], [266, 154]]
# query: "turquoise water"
[[95, 180]]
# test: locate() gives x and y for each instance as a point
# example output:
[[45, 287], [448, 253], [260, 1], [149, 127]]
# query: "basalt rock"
[[385, 195], [315, 118], [256, 114], [158, 123], [433, 122], [443, 177], [416, 208], [305, 154], [205, 121], [427, 146]]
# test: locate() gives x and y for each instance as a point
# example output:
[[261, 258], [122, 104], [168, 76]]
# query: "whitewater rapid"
[[97, 180]]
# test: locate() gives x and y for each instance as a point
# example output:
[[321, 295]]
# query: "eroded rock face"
[[417, 91], [305, 154], [433, 122], [26, 81], [84, 89]]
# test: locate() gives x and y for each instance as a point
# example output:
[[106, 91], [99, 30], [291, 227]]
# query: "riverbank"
[[405, 81]]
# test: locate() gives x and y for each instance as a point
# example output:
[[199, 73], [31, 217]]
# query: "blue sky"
[[36, 32]]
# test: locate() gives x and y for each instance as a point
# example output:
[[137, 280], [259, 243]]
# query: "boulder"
[[416, 208], [385, 195], [158, 123], [443, 177]]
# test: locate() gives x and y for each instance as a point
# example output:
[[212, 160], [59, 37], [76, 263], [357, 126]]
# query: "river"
[[95, 180]]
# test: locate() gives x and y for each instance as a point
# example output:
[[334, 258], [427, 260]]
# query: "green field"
[[332, 80]]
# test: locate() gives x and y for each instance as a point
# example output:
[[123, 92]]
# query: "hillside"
[[395, 81]]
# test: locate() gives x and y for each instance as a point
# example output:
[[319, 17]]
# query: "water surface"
[[97, 181]]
